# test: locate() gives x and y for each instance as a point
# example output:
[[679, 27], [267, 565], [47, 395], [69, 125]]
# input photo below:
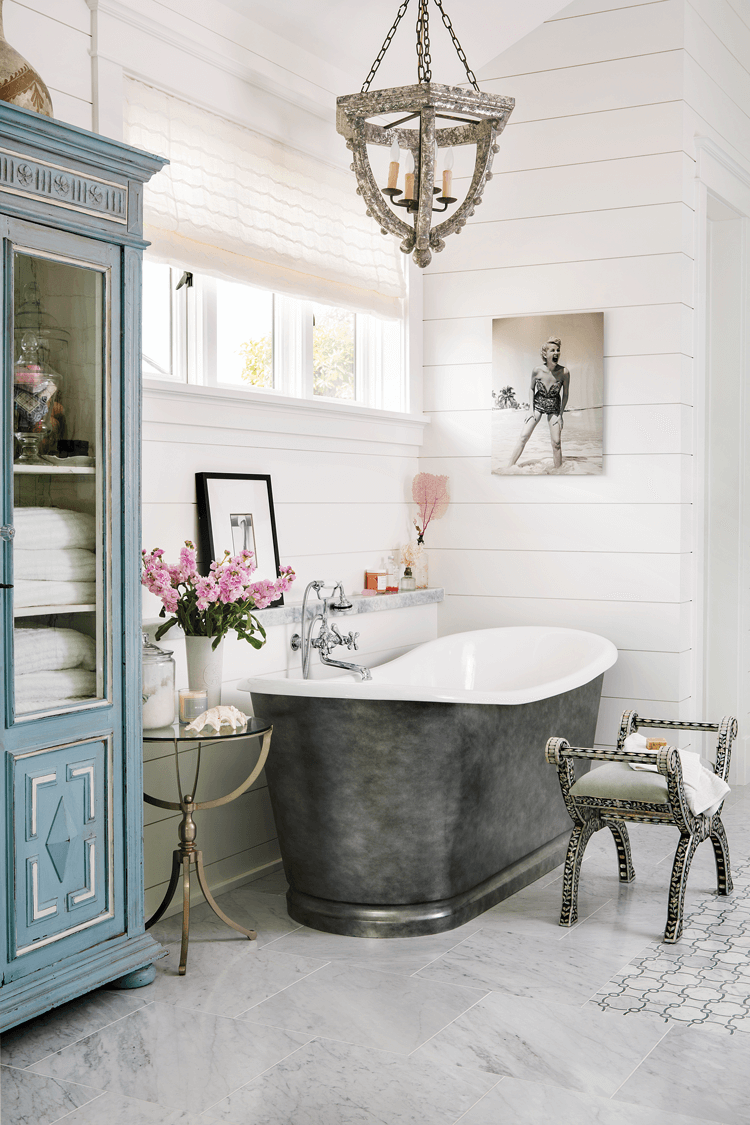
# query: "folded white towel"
[[41, 689], [27, 594], [63, 564], [53, 527], [49, 650], [704, 790]]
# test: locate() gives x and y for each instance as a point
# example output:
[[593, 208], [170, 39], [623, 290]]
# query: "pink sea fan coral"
[[429, 492]]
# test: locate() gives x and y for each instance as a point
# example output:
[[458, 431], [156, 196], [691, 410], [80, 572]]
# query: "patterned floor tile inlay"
[[705, 977]]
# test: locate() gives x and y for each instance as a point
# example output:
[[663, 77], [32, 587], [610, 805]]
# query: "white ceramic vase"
[[205, 666]]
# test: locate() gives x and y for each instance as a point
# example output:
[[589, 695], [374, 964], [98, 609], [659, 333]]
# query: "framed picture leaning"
[[235, 512]]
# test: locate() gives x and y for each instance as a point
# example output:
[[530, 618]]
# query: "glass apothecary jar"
[[38, 416], [158, 685]]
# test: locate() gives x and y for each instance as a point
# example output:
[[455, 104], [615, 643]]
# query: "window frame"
[[194, 357]]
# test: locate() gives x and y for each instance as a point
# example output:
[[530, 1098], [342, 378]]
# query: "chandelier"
[[473, 118]]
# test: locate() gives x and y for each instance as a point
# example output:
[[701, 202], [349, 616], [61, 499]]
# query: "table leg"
[[185, 914], [212, 902], [173, 881]]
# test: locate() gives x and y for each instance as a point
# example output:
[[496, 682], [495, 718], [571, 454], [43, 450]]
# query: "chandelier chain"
[[386, 44], [424, 61], [459, 49]]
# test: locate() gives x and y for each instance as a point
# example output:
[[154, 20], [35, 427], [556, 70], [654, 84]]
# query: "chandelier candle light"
[[476, 119]]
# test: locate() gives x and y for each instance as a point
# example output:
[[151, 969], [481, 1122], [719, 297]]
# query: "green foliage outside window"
[[333, 353], [258, 361]]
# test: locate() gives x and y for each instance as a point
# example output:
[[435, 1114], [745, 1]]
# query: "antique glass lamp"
[[471, 118]]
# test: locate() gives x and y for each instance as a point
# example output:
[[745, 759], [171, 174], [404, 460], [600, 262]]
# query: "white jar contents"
[[158, 686], [158, 696]]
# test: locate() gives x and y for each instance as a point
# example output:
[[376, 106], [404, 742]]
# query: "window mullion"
[[292, 346]]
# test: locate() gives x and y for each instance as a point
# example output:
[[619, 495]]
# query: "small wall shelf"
[[40, 610], [55, 470]]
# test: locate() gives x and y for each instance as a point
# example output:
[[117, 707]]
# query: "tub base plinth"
[[354, 919]]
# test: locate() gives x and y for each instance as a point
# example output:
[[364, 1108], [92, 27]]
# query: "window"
[[204, 330]]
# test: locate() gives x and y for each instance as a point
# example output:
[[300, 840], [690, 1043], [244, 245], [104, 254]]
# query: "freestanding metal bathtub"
[[411, 803]]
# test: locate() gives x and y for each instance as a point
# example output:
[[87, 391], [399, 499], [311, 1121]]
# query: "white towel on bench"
[[704, 790]]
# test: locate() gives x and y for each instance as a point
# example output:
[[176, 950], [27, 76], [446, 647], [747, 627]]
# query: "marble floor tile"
[[264, 913], [274, 883], [593, 1052], [394, 955], [524, 966], [700, 1070], [328, 1083], [366, 1007], [30, 1099], [178, 1059], [226, 978], [29, 1042], [531, 1103], [114, 1109], [535, 911]]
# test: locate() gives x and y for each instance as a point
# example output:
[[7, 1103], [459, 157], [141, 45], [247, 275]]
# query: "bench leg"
[[680, 870], [579, 838], [624, 858], [721, 855]]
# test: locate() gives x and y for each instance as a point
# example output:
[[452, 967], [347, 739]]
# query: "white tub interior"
[[509, 665]]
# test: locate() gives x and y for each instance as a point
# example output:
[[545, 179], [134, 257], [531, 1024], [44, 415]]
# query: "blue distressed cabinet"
[[71, 917]]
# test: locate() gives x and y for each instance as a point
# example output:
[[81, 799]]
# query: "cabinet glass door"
[[60, 549]]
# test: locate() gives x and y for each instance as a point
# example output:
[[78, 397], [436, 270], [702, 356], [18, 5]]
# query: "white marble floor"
[[507, 1019]]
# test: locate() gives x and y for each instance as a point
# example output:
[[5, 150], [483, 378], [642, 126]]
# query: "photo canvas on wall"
[[547, 392], [235, 513]]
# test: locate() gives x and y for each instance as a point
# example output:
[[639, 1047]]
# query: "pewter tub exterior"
[[398, 818]]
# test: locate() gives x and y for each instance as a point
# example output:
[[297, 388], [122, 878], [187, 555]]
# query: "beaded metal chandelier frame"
[[477, 119]]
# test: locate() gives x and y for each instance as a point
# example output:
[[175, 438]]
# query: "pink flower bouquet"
[[211, 605]]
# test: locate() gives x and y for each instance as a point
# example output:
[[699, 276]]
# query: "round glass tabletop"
[[177, 732]]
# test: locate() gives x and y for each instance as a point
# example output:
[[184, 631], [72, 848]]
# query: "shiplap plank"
[[59, 53], [587, 7], [615, 34], [561, 287], [590, 136], [74, 13], [641, 80], [599, 576], [650, 627], [628, 528], [637, 181], [580, 237], [641, 479]]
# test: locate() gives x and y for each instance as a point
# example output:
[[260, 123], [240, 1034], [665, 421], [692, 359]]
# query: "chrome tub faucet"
[[328, 636]]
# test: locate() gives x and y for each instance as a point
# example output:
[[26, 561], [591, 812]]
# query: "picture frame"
[[236, 511], [548, 395]]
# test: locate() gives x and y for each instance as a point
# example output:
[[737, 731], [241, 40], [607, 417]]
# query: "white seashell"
[[218, 720]]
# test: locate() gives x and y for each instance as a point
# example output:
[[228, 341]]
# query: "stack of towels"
[[53, 667], [704, 790], [54, 559]]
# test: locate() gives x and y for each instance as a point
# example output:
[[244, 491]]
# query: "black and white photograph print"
[[547, 394]]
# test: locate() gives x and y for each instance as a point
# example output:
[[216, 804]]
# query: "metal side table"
[[187, 854]]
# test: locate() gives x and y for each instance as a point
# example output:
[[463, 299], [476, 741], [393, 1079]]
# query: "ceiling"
[[347, 34]]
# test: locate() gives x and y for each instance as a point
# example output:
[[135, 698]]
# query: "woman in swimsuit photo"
[[548, 397]]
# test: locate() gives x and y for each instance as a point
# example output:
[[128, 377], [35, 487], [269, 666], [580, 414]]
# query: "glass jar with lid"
[[38, 416], [158, 685]]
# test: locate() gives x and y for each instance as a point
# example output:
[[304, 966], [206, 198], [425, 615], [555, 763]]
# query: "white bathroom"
[[397, 905]]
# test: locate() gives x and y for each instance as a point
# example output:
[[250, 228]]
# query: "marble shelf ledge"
[[292, 614]]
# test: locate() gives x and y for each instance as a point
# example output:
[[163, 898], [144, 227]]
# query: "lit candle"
[[393, 169], [448, 175], [409, 179]]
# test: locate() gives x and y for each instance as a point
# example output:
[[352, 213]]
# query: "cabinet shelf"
[[40, 610], [55, 470]]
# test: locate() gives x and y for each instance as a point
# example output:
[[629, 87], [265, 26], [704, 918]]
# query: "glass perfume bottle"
[[408, 582]]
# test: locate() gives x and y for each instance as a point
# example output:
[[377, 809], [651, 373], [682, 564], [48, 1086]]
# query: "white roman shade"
[[237, 205]]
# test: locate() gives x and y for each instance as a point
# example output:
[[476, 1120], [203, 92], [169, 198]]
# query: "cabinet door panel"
[[61, 813]]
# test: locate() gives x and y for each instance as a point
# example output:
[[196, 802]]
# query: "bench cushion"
[[619, 782]]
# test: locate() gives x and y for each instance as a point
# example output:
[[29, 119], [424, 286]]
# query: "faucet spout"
[[360, 669]]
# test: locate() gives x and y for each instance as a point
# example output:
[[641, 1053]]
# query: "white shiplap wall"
[[587, 210], [55, 37]]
